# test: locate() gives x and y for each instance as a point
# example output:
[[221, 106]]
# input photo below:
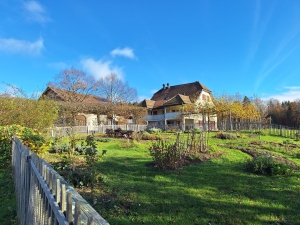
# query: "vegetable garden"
[[235, 178]]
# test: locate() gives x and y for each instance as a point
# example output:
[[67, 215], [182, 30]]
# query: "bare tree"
[[75, 84], [115, 90], [74, 87], [260, 106]]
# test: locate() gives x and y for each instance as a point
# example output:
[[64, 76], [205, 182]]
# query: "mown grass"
[[218, 191]]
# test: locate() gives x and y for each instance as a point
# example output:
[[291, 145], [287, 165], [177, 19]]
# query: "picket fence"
[[43, 196], [274, 129], [65, 131]]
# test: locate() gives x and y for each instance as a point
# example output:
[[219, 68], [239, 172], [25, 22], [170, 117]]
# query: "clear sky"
[[245, 46]]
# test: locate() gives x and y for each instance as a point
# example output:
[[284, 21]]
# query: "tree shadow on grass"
[[214, 192]]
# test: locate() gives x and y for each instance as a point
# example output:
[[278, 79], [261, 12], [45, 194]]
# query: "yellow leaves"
[[237, 110], [29, 137], [250, 111]]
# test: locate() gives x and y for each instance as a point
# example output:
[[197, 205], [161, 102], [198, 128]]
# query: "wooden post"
[[58, 191], [90, 221], [77, 214], [69, 207], [280, 127], [50, 179], [53, 177], [63, 199]]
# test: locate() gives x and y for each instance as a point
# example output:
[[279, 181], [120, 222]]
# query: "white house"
[[167, 107]]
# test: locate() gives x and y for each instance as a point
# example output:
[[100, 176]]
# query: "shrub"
[[137, 136], [225, 135], [60, 148], [28, 136], [32, 139], [109, 132], [154, 130], [77, 177], [267, 165], [148, 136], [165, 155], [80, 150], [102, 140], [118, 133]]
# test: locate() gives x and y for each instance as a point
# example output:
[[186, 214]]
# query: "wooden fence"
[[44, 197], [64, 131], [284, 131], [225, 125], [273, 129]]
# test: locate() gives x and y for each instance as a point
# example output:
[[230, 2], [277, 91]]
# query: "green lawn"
[[8, 203], [218, 191]]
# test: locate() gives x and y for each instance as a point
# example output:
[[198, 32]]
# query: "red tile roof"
[[67, 96], [177, 94], [148, 103], [190, 89]]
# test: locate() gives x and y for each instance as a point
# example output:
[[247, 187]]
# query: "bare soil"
[[255, 153]]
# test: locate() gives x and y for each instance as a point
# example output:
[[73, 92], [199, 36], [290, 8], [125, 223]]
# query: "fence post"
[[91, 220], [69, 207], [77, 215], [63, 199], [280, 127], [27, 187]]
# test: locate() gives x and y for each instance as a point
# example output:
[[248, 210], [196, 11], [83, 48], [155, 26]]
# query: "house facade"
[[171, 106]]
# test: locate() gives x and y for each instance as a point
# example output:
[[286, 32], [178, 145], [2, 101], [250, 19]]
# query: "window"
[[154, 113], [205, 97]]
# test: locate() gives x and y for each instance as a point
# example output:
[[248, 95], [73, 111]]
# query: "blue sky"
[[242, 46]]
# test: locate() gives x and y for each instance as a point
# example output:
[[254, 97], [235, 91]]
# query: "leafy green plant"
[[60, 148], [154, 130], [105, 140], [287, 142], [78, 177], [267, 165], [92, 156]]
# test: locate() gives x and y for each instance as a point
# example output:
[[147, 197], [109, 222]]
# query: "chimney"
[[168, 85], [164, 86]]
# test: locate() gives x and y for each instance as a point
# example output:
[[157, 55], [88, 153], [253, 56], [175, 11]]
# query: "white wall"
[[91, 119]]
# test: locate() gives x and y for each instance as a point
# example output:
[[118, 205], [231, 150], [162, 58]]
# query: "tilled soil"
[[254, 153]]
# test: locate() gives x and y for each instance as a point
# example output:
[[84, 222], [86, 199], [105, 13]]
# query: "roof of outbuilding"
[[67, 96]]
